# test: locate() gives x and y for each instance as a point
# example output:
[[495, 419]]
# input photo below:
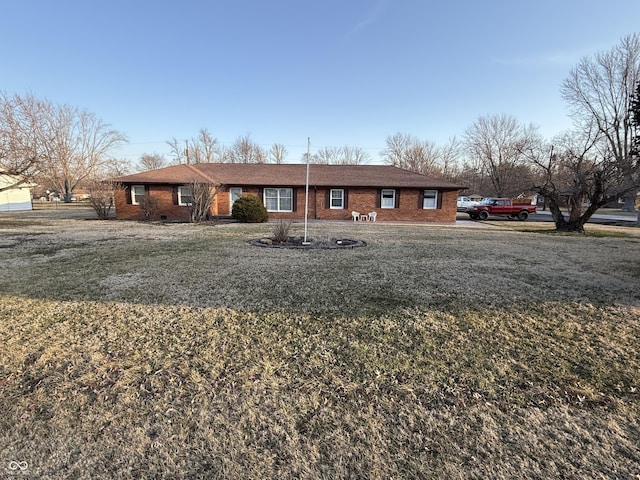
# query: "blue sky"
[[342, 72]]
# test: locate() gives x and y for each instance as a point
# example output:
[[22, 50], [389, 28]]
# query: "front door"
[[234, 194]]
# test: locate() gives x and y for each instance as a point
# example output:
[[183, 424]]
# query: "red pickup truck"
[[519, 209]]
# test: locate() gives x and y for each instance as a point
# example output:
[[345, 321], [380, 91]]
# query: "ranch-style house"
[[335, 191]]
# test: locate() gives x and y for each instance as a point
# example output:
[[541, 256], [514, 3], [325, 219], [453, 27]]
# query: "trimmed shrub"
[[249, 209]]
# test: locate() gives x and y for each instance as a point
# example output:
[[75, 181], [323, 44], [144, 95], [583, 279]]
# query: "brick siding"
[[362, 200], [166, 208]]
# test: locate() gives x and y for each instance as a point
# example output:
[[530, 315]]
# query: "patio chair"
[[355, 215], [372, 216]]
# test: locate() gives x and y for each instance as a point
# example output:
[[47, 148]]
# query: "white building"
[[14, 198]]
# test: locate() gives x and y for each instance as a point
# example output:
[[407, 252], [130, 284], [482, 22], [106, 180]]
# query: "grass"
[[133, 350], [593, 230]]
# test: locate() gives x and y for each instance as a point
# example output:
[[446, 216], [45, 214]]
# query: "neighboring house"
[[334, 191], [17, 196]]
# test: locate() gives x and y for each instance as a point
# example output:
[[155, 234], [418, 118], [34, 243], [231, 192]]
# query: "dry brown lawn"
[[132, 350]]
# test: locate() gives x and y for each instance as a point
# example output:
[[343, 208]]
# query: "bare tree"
[[635, 121], [20, 155], [471, 175], [449, 156], [326, 156], [579, 174], [101, 195], [339, 156], [151, 161], [75, 145], [397, 146], [149, 206], [245, 150], [178, 150], [354, 156], [60, 144], [498, 143], [201, 149], [202, 198], [410, 153], [422, 157], [115, 167], [599, 91], [278, 153]]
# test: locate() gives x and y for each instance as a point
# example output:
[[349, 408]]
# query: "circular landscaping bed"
[[297, 242]]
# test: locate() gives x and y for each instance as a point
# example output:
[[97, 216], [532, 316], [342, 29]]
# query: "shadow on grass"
[[222, 393]]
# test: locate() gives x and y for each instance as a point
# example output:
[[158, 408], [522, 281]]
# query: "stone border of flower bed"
[[297, 242]]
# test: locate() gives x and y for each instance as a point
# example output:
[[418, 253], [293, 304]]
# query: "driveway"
[[545, 216], [601, 219]]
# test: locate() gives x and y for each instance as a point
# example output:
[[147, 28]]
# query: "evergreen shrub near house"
[[249, 209]]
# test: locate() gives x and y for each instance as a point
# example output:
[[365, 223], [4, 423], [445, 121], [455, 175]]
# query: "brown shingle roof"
[[178, 174], [264, 174]]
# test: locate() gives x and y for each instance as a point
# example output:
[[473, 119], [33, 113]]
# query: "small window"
[[388, 199], [184, 196], [278, 199], [430, 199], [137, 193], [337, 198]]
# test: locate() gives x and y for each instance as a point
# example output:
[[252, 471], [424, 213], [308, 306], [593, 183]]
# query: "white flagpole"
[[306, 194]]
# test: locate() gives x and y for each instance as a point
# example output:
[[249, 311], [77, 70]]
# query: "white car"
[[464, 203]]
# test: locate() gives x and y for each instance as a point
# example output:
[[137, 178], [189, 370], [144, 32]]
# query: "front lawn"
[[132, 350]]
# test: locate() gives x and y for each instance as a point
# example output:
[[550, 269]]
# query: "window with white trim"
[[337, 198], [137, 193], [278, 199], [185, 196], [388, 199], [430, 199]]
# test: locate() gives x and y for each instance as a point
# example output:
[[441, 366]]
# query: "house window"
[[337, 198], [278, 199], [430, 199], [137, 193], [388, 199], [184, 196]]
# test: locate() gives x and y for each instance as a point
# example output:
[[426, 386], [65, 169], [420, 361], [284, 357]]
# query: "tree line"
[[204, 148], [497, 155]]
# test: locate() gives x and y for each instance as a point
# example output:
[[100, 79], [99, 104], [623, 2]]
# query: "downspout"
[[315, 203], [306, 197]]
